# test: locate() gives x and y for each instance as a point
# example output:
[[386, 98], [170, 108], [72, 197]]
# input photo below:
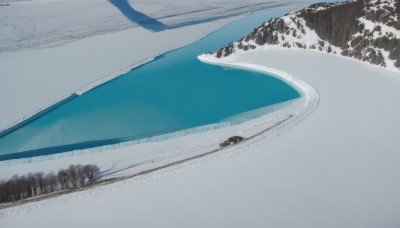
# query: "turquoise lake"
[[174, 92]]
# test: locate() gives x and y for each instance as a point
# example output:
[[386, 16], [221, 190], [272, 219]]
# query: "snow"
[[69, 46], [382, 4], [389, 62], [299, 33], [47, 23], [34, 79], [386, 30], [337, 168], [161, 149], [49, 75]]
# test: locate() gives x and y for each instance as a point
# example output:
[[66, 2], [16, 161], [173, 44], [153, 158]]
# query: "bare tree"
[[7, 191], [51, 182], [33, 184], [12, 185], [39, 177], [21, 187], [73, 176], [90, 171], [63, 178], [81, 176], [3, 192], [24, 187]]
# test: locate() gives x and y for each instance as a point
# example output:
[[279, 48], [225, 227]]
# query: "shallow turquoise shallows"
[[174, 92]]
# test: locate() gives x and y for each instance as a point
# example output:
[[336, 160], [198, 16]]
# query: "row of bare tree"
[[34, 184]]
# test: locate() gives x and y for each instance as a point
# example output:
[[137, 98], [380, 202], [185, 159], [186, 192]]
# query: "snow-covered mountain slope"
[[368, 30]]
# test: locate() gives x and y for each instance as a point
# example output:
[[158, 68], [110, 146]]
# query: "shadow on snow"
[[137, 17], [155, 25]]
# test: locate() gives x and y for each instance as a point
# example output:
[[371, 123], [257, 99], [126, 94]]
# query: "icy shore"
[[340, 161], [337, 168]]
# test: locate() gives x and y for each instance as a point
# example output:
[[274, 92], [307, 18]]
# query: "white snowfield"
[[299, 35], [337, 168], [38, 23]]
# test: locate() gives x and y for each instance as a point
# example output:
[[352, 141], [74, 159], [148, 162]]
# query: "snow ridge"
[[365, 30]]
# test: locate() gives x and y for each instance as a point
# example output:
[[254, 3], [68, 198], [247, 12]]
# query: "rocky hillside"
[[368, 30]]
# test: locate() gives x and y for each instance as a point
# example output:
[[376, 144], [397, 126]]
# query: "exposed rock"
[[336, 23], [345, 52], [299, 45], [368, 30]]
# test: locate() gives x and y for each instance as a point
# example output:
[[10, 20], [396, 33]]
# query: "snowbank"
[[337, 168]]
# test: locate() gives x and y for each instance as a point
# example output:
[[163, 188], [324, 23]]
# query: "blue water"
[[174, 92]]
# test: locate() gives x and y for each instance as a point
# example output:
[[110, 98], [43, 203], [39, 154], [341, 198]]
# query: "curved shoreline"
[[311, 96], [309, 93], [46, 109], [281, 75], [118, 145], [15, 125], [176, 166]]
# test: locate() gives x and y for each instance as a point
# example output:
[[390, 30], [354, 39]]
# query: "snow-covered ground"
[[44, 23], [337, 168]]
